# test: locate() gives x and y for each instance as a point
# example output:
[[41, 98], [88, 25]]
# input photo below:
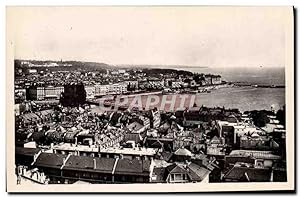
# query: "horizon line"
[[140, 64]]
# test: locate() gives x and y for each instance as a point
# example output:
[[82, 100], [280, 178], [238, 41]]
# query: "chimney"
[[64, 161], [35, 156], [95, 164], [272, 175], [185, 166]]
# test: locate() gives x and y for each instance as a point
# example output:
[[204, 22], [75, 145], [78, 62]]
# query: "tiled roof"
[[232, 159], [126, 166], [86, 163], [166, 156], [174, 168], [104, 165], [206, 163], [238, 173], [183, 152], [35, 116], [37, 136], [194, 171], [159, 172], [197, 172], [51, 160], [26, 151]]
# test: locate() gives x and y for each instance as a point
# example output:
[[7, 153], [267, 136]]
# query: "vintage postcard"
[[150, 98]]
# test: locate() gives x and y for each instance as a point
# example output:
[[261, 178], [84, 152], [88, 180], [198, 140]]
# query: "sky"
[[194, 36]]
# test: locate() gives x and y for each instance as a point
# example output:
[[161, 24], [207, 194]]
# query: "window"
[[94, 175], [86, 175], [172, 178], [146, 179], [111, 156], [259, 163]]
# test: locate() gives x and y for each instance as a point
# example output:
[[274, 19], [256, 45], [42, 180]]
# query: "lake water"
[[242, 98], [245, 98]]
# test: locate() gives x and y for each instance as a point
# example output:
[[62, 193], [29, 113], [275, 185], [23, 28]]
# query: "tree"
[[73, 95], [260, 118], [280, 115]]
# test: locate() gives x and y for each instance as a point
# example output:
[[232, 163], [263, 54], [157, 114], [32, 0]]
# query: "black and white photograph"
[[150, 98]]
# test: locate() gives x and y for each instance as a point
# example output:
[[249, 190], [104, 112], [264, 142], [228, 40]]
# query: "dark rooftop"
[[50, 160], [126, 166], [238, 173], [104, 165], [26, 151]]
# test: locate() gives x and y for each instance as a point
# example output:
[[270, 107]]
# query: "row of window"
[[103, 155], [104, 177]]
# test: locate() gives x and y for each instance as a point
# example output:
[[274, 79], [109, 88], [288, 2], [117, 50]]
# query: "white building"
[[32, 71], [53, 92], [101, 90], [90, 91], [116, 88]]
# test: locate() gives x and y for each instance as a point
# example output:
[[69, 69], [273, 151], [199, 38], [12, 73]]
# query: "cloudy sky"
[[198, 36]]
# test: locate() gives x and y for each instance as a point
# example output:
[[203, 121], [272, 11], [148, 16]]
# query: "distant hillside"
[[158, 71], [94, 66], [159, 66], [75, 65], [88, 65]]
